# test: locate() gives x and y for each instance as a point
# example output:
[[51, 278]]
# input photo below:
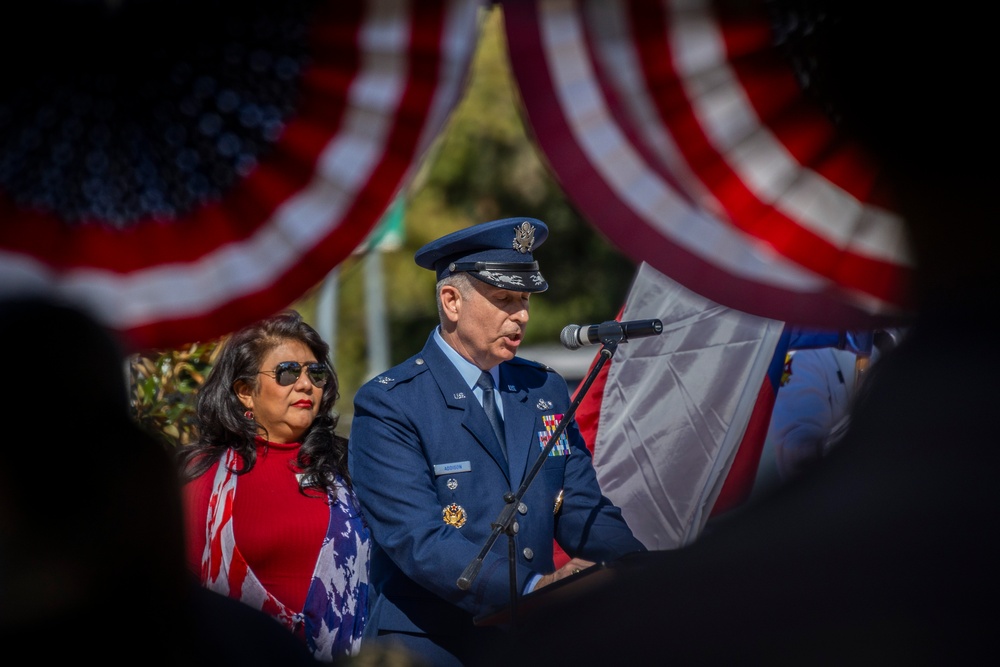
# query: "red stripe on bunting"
[[133, 265], [246, 207], [772, 86], [640, 240], [370, 203]]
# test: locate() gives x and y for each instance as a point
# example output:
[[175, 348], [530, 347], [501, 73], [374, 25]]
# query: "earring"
[[248, 414]]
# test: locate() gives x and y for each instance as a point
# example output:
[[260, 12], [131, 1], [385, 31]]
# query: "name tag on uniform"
[[449, 468]]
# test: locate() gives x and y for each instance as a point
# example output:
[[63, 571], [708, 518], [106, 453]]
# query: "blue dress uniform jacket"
[[422, 451]]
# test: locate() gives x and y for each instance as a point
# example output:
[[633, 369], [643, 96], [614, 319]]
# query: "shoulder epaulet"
[[533, 364], [408, 369]]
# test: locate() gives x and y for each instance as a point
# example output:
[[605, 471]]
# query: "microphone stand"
[[505, 522]]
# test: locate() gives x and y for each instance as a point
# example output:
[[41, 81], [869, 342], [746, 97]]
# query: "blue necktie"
[[485, 382]]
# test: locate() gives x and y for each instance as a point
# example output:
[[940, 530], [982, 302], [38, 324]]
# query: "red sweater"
[[278, 530]]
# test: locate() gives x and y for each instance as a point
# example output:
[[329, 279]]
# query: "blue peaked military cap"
[[496, 252]]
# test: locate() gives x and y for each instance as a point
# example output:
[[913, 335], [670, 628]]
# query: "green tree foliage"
[[164, 384]]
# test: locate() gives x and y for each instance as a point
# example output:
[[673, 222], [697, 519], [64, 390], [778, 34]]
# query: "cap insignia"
[[524, 237]]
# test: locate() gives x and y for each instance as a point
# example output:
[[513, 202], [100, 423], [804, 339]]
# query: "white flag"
[[675, 407]]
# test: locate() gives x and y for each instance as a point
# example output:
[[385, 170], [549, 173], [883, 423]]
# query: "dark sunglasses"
[[287, 372]]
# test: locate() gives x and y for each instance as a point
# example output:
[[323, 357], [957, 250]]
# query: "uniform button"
[[528, 553], [420, 362], [522, 508]]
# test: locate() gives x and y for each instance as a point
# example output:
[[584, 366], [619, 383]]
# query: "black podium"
[[569, 588]]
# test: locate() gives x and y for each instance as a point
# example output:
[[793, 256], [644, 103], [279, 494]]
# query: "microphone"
[[574, 336]]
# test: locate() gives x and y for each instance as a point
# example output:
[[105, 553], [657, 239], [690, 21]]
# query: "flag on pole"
[[676, 422]]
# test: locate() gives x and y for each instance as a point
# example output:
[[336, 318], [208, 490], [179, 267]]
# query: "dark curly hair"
[[221, 421]]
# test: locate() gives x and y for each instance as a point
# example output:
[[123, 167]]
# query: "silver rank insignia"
[[454, 515]]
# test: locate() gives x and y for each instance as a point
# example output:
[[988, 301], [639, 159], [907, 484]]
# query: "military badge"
[[452, 484], [551, 422], [559, 499], [454, 515], [524, 237]]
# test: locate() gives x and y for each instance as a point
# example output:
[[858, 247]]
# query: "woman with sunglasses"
[[271, 514]]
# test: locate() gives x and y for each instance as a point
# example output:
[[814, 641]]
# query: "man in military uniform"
[[431, 470]]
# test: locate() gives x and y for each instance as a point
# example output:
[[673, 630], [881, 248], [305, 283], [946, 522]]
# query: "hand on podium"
[[573, 566]]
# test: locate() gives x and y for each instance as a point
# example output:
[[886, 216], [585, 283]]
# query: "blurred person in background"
[[812, 408]]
